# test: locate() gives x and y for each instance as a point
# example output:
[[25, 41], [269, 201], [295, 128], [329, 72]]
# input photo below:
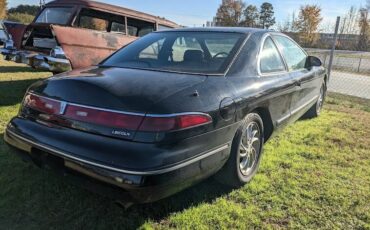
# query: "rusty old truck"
[[69, 34]]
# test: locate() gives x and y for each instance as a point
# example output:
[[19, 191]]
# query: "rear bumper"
[[139, 186], [37, 60]]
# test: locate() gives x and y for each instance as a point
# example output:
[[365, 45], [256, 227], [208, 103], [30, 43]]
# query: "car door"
[[278, 82], [306, 79]]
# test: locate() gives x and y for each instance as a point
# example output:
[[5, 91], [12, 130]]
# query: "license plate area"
[[46, 160]]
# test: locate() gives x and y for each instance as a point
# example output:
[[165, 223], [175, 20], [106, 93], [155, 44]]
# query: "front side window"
[[55, 15], [185, 52], [294, 56], [270, 59]]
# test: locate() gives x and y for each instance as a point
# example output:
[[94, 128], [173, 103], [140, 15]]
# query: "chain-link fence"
[[350, 72]]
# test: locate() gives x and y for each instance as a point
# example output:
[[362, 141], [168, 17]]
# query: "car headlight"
[[57, 52]]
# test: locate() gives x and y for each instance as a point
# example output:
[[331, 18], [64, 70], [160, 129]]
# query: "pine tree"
[[251, 16], [267, 18]]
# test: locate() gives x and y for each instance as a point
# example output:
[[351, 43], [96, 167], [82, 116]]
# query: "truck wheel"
[[245, 155]]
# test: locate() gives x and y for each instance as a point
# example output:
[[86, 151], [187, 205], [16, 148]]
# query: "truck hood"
[[129, 90]]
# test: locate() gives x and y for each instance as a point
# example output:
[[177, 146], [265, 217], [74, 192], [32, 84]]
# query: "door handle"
[[298, 83]]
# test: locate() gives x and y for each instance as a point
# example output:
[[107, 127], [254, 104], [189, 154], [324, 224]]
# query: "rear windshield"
[[187, 52], [55, 15]]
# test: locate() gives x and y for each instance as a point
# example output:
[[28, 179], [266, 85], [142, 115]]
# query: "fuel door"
[[227, 108]]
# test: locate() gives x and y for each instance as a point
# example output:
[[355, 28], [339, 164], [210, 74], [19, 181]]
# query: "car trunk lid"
[[110, 101]]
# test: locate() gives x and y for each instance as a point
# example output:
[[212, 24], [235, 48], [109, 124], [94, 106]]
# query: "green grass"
[[314, 174]]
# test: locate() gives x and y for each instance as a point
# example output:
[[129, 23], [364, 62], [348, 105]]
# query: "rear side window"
[[92, 23], [163, 27], [293, 54], [270, 60], [118, 27], [139, 28]]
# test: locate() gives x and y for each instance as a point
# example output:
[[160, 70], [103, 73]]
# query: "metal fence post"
[[359, 64], [333, 48]]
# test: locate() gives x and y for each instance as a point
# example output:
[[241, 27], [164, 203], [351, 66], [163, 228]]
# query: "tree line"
[[237, 13], [354, 30], [22, 13]]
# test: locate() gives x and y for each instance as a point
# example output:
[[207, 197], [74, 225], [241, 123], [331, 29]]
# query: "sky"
[[198, 12]]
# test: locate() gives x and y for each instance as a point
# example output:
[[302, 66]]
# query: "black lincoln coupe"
[[169, 110]]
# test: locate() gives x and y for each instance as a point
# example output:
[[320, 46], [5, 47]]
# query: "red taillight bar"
[[102, 117], [42, 104], [116, 119], [171, 123]]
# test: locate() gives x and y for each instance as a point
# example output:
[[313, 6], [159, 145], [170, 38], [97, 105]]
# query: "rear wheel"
[[245, 153]]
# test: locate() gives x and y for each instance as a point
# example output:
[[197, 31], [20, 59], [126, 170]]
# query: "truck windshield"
[[186, 52], [55, 15]]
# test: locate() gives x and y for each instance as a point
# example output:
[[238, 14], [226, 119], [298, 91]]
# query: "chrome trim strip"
[[281, 120], [125, 113], [140, 173], [304, 105]]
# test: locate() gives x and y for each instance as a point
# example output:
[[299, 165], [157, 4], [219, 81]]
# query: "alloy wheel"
[[250, 147]]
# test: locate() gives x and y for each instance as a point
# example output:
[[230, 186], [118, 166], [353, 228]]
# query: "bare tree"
[[230, 13], [285, 26], [3, 5], [289, 25], [364, 24], [307, 24], [349, 23]]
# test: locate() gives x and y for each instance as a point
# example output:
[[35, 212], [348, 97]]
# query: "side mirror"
[[313, 61]]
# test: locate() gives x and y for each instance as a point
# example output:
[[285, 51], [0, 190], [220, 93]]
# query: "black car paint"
[[164, 163]]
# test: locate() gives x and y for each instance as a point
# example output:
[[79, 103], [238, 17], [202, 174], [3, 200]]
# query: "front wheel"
[[245, 155], [315, 110]]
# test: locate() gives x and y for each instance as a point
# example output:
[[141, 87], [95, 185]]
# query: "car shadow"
[[12, 92], [17, 69], [52, 197]]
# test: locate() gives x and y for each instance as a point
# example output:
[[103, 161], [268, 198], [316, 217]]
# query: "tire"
[[315, 110], [243, 146]]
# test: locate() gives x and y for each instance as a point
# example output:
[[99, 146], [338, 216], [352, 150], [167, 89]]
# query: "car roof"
[[114, 8], [244, 30]]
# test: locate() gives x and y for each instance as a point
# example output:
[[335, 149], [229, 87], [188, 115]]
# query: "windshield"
[[55, 15], [187, 52]]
